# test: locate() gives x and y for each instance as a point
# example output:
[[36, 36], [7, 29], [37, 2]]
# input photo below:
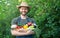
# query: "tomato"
[[29, 23], [18, 27]]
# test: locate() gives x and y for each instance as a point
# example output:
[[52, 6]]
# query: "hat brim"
[[23, 6]]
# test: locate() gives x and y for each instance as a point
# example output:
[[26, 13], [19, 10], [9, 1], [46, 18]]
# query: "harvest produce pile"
[[28, 26]]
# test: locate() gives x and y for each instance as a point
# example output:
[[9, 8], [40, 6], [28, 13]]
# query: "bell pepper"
[[25, 26]]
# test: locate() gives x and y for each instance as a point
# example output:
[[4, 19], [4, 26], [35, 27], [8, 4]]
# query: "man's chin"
[[23, 14]]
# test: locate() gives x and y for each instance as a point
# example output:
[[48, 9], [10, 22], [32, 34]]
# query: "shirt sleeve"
[[14, 21]]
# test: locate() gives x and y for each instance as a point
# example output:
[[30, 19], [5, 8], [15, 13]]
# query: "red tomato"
[[18, 27], [29, 23]]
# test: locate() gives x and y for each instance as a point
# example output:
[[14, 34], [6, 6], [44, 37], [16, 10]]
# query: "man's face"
[[23, 10]]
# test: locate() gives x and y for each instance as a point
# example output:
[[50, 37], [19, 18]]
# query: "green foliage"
[[45, 12]]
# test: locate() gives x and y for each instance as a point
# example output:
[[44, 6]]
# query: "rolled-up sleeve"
[[34, 22], [14, 21]]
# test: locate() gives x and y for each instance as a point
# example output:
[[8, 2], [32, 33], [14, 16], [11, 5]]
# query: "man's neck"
[[23, 16]]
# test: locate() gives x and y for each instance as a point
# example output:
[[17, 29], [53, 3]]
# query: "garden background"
[[45, 12]]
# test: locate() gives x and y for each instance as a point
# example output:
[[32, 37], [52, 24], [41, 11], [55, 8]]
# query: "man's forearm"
[[16, 33]]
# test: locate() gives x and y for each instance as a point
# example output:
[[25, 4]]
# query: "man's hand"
[[30, 32]]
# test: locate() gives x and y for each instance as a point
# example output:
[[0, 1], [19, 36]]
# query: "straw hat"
[[23, 4]]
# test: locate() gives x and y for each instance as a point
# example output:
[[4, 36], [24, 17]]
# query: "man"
[[22, 19]]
